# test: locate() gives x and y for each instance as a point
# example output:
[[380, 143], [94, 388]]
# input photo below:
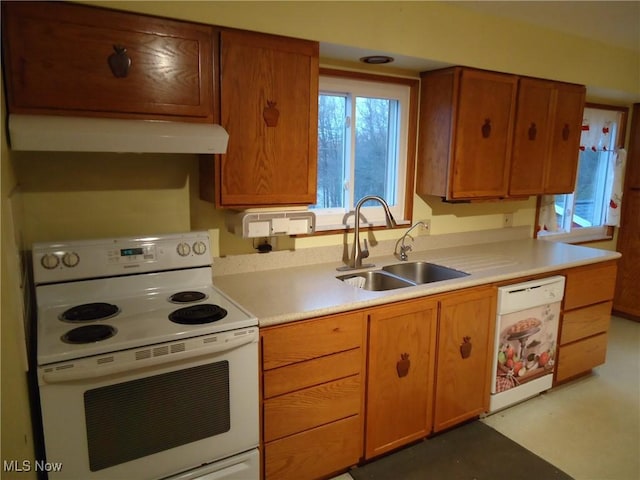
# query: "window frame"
[[411, 145], [600, 232]]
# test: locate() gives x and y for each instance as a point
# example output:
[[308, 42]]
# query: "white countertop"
[[283, 295]]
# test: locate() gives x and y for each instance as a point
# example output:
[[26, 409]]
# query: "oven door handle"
[[83, 372]]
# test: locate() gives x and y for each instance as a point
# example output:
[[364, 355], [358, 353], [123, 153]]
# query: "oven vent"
[[210, 340], [143, 354], [64, 367], [178, 347], [103, 360], [159, 351]]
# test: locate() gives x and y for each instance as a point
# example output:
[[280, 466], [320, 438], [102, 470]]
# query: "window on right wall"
[[594, 206]]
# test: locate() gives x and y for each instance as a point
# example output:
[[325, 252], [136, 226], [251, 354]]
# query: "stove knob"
[[71, 259], [183, 249], [199, 248], [50, 261]]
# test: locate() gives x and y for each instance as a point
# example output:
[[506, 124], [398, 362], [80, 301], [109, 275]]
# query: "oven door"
[[152, 412]]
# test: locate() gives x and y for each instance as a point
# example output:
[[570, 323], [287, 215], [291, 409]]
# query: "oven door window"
[[141, 417]]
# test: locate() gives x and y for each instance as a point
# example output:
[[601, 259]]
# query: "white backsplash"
[[254, 262]]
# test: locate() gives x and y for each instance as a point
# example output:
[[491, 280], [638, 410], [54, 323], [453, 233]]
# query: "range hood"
[[82, 134]]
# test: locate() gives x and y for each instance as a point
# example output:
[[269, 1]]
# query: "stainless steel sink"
[[423, 272], [376, 280], [399, 275]]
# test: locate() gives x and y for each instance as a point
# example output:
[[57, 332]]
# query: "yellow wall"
[[74, 196]]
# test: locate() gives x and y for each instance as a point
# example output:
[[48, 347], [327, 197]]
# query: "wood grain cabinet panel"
[[402, 341], [580, 357], [313, 396], [586, 316], [465, 136], [58, 59], [463, 382], [589, 285], [488, 135], [315, 453], [627, 297], [547, 137], [269, 106]]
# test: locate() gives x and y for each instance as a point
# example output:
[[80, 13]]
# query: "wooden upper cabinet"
[[492, 135], [547, 137], [67, 59], [565, 138], [466, 130], [269, 106], [530, 156]]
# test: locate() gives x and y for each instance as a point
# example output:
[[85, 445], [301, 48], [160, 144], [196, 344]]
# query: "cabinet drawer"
[[306, 340], [580, 357], [313, 372], [58, 57], [310, 407], [589, 285], [315, 453], [585, 322]]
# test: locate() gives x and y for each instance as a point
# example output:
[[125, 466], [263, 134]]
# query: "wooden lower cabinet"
[[586, 315], [463, 373], [400, 374], [313, 396]]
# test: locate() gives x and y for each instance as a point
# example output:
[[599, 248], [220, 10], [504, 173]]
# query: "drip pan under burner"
[[89, 334], [89, 311], [198, 314], [187, 297]]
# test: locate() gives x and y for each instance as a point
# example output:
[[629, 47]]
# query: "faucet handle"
[[365, 251]]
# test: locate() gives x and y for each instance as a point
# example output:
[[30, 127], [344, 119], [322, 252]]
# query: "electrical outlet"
[[425, 229], [507, 220]]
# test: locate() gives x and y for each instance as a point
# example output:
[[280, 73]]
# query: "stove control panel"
[[76, 260]]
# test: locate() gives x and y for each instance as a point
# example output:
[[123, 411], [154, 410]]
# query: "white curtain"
[[616, 166], [547, 218]]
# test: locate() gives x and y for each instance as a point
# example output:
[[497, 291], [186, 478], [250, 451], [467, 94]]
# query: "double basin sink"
[[400, 275]]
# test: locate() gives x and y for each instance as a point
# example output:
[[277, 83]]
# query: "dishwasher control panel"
[[520, 296]]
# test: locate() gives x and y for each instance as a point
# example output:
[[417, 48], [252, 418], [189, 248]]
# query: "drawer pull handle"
[[565, 132], [465, 347], [402, 366], [533, 131], [486, 128], [271, 114], [119, 62]]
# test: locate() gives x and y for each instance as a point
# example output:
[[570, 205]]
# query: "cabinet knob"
[[565, 132], [533, 131], [402, 366], [119, 62], [486, 128], [465, 347], [271, 114]]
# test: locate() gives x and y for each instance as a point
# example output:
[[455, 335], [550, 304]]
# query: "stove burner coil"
[[187, 297], [198, 314], [89, 334], [90, 311]]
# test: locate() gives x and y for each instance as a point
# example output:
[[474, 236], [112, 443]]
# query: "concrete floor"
[[590, 427]]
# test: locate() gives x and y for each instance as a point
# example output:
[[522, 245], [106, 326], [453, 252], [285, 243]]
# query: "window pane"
[[376, 148], [332, 112], [590, 188]]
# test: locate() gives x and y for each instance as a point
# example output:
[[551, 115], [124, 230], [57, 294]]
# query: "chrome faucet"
[[407, 248], [357, 253]]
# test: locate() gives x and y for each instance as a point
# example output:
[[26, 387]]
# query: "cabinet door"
[[531, 137], [627, 295], [565, 139], [483, 135], [62, 59], [400, 376], [269, 106], [465, 344]]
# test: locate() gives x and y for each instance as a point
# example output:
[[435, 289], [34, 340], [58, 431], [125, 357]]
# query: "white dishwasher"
[[527, 323]]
